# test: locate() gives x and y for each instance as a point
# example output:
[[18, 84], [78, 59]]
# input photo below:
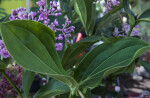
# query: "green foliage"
[[109, 58], [27, 79], [145, 16], [3, 13], [66, 8], [126, 7], [106, 18], [87, 13], [32, 45], [130, 13], [52, 88], [74, 50], [33, 48]]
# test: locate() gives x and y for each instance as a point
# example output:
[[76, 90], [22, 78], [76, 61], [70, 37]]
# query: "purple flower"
[[60, 38], [46, 22], [135, 33], [115, 2], [116, 31], [125, 27], [137, 26], [110, 4], [32, 14], [125, 30], [19, 13], [41, 3], [6, 89], [59, 46], [43, 16], [3, 51], [54, 3], [56, 22]]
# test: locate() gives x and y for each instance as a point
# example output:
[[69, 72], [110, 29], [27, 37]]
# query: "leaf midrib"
[[104, 70], [30, 50], [113, 55], [104, 61]]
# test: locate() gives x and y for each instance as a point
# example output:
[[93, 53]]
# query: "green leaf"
[[145, 64], [87, 13], [145, 16], [111, 39], [132, 19], [52, 88], [75, 49], [81, 10], [27, 79], [32, 45], [2, 65], [128, 10], [107, 59], [126, 7], [66, 8], [107, 17]]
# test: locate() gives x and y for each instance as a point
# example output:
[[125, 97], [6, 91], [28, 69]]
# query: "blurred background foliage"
[[138, 7]]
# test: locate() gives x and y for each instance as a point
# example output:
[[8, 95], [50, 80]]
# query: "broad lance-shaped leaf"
[[27, 79], [109, 58], [52, 88], [32, 45], [87, 13], [145, 16], [75, 49]]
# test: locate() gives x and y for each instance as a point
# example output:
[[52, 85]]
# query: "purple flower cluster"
[[19, 13], [3, 51], [43, 16], [109, 4], [6, 90], [125, 30]]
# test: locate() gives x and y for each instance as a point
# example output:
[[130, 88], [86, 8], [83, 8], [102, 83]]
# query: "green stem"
[[130, 31], [81, 94], [10, 81], [70, 96], [87, 33], [106, 87]]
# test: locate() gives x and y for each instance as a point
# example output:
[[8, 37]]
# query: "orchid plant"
[[40, 42]]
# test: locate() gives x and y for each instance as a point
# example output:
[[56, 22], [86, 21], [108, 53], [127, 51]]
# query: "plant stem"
[[106, 87], [10, 81], [70, 96], [120, 17], [130, 31], [81, 94]]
